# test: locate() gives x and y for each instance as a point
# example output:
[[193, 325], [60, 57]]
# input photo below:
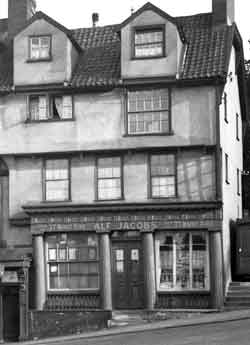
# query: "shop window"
[[148, 111], [182, 261], [149, 42], [109, 178], [163, 176], [40, 48], [57, 180], [72, 261], [53, 107]]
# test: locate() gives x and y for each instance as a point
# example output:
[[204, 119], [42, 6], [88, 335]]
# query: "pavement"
[[201, 319]]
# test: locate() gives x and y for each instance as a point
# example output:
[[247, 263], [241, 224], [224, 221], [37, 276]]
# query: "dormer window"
[[149, 42], [40, 48]]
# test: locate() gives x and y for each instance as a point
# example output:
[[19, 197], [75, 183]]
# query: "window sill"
[[74, 292], [183, 292], [48, 59], [49, 120], [107, 200], [148, 57], [148, 134], [56, 201]]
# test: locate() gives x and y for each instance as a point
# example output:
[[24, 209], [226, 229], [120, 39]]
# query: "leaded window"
[[57, 180], [148, 111], [40, 47], [182, 261], [50, 107], [109, 178], [149, 43], [72, 261], [163, 176]]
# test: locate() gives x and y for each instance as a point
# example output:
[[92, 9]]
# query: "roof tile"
[[99, 62]]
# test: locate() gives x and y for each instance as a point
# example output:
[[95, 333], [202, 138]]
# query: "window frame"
[[40, 59], [238, 182], [48, 262], [225, 107], [227, 168], [158, 262], [49, 107], [150, 189], [237, 127], [149, 28], [169, 110], [44, 180], [121, 178]]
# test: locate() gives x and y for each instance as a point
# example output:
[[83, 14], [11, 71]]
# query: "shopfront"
[[128, 260]]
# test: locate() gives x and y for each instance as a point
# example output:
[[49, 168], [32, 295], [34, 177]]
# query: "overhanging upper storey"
[[44, 52], [152, 45]]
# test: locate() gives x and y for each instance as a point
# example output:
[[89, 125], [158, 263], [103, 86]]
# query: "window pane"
[[57, 190], [67, 112], [182, 261], [148, 43], [199, 261], [166, 262], [78, 267], [148, 111], [57, 169], [109, 178], [39, 47]]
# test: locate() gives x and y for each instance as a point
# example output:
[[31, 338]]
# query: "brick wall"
[[44, 324]]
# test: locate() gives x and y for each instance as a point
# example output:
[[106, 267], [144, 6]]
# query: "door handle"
[[240, 250]]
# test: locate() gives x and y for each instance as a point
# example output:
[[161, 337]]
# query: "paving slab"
[[203, 318]]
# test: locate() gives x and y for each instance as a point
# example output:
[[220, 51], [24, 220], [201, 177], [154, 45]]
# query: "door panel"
[[127, 275]]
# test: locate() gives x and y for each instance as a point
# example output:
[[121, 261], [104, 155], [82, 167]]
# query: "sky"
[[78, 13]]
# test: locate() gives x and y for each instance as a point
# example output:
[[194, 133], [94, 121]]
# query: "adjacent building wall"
[[230, 145]]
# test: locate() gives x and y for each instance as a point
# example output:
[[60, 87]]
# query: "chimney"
[[19, 12], [223, 12], [95, 19]]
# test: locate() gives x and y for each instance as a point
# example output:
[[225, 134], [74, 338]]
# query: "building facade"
[[121, 160]]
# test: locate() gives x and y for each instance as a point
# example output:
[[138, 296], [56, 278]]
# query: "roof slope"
[[207, 54]]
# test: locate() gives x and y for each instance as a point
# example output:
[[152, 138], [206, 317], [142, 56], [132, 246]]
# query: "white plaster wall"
[[99, 124], [232, 203]]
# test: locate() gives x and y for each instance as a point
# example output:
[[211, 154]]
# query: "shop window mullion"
[[174, 263], [190, 262]]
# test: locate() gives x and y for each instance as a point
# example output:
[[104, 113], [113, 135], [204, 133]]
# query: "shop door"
[[10, 314], [243, 251], [127, 275]]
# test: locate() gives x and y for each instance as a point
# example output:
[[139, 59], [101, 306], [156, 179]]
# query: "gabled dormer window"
[[50, 107], [40, 48], [149, 42]]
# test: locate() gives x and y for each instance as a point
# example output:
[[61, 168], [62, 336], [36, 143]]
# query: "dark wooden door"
[[243, 251], [10, 314], [127, 277]]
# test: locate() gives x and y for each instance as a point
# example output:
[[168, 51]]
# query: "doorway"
[[127, 275], [11, 317], [243, 252]]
